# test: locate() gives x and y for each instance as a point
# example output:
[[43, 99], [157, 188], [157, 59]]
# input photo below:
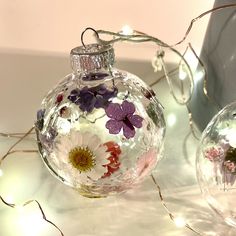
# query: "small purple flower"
[[94, 76], [90, 98], [122, 116], [40, 119], [74, 96]]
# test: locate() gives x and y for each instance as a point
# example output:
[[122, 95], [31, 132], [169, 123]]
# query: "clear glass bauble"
[[100, 130], [216, 163]]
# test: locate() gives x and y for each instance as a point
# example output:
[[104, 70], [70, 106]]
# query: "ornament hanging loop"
[[82, 35]]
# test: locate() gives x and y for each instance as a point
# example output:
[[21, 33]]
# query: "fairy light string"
[[135, 37], [21, 137], [12, 205]]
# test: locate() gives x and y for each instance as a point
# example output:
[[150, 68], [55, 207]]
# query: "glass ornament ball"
[[100, 130], [216, 163]]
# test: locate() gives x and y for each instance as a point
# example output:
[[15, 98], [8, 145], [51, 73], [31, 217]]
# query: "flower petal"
[[81, 177], [74, 94], [101, 157], [128, 107], [114, 126], [110, 93], [86, 138], [86, 102], [94, 142], [135, 120], [128, 131], [114, 111], [100, 102], [97, 173], [94, 76]]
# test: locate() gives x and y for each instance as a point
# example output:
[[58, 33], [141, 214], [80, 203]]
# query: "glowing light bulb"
[[1, 172], [30, 223], [198, 76], [171, 119], [180, 222], [9, 199], [182, 72], [19, 208], [127, 30]]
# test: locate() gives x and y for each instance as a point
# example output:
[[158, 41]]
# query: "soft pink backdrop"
[[56, 25]]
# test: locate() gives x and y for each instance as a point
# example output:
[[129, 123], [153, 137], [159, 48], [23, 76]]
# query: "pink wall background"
[[55, 25]]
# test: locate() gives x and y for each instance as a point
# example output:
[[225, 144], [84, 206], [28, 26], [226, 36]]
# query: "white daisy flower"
[[81, 157]]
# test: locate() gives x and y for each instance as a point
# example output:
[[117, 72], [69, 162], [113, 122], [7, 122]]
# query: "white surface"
[[24, 80]]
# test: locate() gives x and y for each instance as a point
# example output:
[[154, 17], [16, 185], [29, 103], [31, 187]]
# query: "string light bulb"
[[180, 222], [171, 119], [182, 72], [127, 30]]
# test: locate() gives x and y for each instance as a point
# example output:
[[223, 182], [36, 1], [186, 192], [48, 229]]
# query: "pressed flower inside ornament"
[[100, 130], [216, 163]]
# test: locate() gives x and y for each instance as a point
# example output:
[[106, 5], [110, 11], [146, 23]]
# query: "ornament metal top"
[[100, 130]]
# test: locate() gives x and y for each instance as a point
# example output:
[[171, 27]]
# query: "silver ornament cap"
[[92, 57]]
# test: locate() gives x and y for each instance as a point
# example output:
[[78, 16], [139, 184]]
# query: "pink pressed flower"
[[214, 153], [114, 162], [146, 163]]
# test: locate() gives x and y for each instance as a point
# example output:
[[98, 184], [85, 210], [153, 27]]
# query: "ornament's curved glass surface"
[[100, 130], [216, 163]]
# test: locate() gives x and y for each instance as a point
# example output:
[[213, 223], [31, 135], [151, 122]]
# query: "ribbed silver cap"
[[92, 57]]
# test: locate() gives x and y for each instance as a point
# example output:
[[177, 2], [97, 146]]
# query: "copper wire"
[[12, 205], [171, 215], [17, 142], [11, 151], [201, 16]]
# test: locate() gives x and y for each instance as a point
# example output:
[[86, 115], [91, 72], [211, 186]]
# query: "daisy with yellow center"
[[81, 157]]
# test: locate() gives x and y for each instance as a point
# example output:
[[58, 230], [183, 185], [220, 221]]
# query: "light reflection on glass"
[[198, 76], [180, 222], [1, 172], [30, 222], [171, 119]]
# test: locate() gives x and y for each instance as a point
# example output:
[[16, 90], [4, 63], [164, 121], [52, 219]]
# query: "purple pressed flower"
[[40, 119], [65, 112], [94, 76], [74, 95], [122, 117], [94, 97]]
